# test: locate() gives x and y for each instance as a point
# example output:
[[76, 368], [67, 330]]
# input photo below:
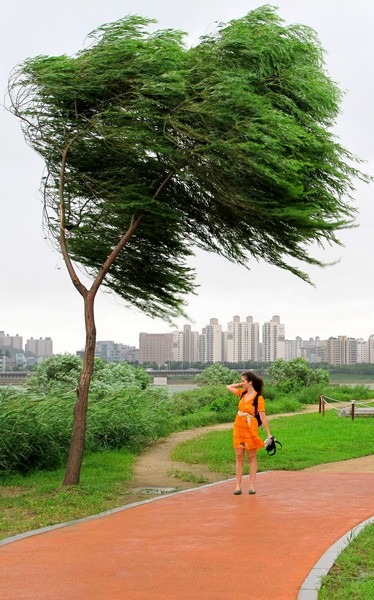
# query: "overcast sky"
[[36, 296]]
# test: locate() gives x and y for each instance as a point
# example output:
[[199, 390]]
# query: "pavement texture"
[[201, 543]]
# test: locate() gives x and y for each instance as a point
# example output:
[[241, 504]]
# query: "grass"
[[38, 500], [187, 476], [352, 575], [308, 440]]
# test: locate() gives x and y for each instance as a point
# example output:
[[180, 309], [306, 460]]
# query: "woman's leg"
[[252, 456], [239, 467]]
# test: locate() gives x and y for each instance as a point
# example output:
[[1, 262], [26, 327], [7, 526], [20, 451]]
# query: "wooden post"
[[323, 406], [353, 409], [320, 404]]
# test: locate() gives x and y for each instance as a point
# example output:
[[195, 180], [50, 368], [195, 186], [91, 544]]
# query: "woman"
[[245, 432]]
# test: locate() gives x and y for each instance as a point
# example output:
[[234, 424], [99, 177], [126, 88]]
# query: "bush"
[[36, 431], [191, 401], [216, 374], [288, 376], [132, 418]]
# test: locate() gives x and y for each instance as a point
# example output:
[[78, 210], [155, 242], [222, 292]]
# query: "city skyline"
[[37, 293], [125, 341]]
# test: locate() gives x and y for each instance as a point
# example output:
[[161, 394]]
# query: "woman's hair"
[[257, 381]]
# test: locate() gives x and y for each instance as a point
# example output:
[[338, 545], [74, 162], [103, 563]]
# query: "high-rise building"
[[190, 345], [211, 342], [370, 350], [241, 341], [361, 351], [273, 340], [155, 347], [42, 347], [14, 341], [178, 346]]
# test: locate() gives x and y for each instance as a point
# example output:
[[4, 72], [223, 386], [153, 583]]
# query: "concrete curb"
[[312, 584]]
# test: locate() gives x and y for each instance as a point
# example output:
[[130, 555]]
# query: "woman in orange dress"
[[245, 433]]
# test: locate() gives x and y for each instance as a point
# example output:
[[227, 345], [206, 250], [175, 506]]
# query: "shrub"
[[216, 374], [191, 401]]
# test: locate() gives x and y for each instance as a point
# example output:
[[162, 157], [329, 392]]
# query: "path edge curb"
[[312, 584]]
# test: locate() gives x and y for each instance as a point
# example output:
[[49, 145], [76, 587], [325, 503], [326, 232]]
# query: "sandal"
[[237, 492], [251, 491]]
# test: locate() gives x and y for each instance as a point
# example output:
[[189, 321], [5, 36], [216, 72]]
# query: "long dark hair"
[[257, 381]]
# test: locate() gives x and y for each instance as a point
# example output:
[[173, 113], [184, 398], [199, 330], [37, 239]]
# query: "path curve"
[[155, 470]]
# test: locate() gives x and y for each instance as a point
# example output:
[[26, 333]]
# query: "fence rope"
[[348, 402]]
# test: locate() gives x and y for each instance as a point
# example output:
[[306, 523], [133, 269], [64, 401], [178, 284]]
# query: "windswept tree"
[[153, 149]]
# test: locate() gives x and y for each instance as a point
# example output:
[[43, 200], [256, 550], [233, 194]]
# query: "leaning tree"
[[153, 149]]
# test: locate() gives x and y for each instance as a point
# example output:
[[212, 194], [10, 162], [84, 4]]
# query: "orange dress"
[[245, 432]]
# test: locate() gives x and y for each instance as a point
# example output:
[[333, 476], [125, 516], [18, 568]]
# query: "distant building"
[[241, 341], [14, 341], [273, 340], [42, 347], [110, 351], [155, 347]]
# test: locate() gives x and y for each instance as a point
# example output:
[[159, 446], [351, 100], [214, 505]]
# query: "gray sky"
[[37, 298]]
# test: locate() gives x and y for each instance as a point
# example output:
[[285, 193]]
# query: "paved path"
[[204, 543]]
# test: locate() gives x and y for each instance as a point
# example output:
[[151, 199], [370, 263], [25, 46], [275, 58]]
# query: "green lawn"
[[308, 439], [37, 499]]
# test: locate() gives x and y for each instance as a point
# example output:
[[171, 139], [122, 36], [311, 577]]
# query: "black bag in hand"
[[271, 448]]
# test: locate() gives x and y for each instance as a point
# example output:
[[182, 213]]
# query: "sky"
[[37, 298]]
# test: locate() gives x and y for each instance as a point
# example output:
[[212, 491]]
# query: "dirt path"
[[156, 472]]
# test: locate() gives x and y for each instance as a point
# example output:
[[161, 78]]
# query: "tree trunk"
[[74, 463]]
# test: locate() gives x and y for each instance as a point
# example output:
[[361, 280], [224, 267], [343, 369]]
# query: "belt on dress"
[[244, 414]]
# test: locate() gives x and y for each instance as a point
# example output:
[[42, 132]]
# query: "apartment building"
[[273, 340], [13, 341], [211, 345], [110, 351], [241, 340], [155, 347], [190, 345], [41, 347]]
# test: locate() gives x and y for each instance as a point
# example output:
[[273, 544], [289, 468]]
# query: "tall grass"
[[36, 428]]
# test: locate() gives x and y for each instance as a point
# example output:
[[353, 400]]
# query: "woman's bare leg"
[[239, 467], [252, 456]]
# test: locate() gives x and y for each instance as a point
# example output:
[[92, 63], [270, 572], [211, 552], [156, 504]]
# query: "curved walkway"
[[200, 543]]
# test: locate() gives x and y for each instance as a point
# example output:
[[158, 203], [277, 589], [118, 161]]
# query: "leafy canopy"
[[217, 373], [225, 146], [295, 374]]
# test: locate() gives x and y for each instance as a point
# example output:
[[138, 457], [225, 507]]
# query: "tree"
[[152, 149], [294, 374], [217, 373]]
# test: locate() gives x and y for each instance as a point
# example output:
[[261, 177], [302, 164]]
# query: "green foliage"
[[130, 418], [227, 147], [36, 431], [216, 374], [60, 373], [36, 499], [36, 428], [294, 374]]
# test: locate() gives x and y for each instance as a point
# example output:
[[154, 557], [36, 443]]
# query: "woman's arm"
[[233, 387], [265, 422]]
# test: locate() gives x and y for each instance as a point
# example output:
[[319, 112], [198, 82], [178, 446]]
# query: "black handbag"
[[271, 448]]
